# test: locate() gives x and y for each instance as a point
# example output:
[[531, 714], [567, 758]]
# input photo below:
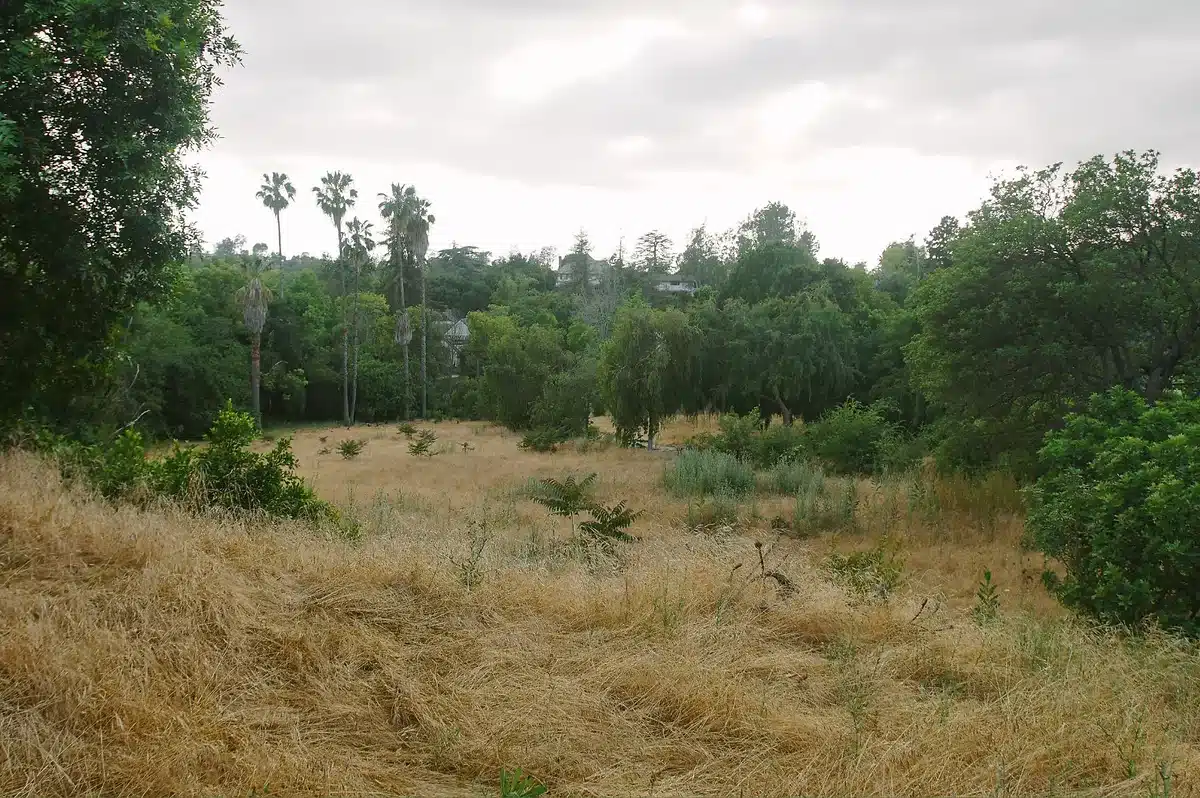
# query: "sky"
[[523, 121]]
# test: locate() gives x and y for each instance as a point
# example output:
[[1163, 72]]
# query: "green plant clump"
[[351, 449], [422, 444], [709, 473], [1118, 505]]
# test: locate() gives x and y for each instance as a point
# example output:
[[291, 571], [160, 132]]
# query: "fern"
[[567, 498], [608, 524]]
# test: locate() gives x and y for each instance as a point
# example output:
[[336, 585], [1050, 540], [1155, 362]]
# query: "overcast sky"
[[524, 120]]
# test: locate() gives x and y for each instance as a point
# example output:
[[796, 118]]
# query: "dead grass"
[[152, 653]]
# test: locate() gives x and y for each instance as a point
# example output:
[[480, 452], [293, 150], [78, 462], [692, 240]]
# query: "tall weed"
[[708, 473]]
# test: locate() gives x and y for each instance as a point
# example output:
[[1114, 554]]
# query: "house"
[[455, 337], [597, 270], [677, 285]]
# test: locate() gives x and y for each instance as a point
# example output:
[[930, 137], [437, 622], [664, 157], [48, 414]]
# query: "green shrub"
[[544, 439], [739, 435], [422, 444], [407, 429], [792, 477], [779, 444], [350, 449], [709, 473], [850, 438], [1118, 504], [873, 574], [825, 505]]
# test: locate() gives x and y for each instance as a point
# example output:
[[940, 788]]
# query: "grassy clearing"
[[154, 653]]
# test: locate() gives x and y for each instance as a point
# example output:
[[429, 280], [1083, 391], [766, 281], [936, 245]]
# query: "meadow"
[[462, 630]]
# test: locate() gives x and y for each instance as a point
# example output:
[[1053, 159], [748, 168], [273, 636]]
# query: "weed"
[[515, 784], [324, 450], [825, 505], [609, 524], [352, 448], [470, 570], [987, 600], [422, 445], [714, 513], [568, 497], [795, 478]]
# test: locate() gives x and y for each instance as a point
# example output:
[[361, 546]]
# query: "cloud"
[[526, 119]]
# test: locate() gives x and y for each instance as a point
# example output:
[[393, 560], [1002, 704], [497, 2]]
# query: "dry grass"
[[152, 653]]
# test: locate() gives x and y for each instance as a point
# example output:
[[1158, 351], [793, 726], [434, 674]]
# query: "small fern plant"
[[609, 524], [566, 498], [515, 784], [987, 600], [422, 444]]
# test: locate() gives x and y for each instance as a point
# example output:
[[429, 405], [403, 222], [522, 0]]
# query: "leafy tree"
[[98, 103], [653, 253], [700, 260], [580, 261], [335, 197], [1118, 504], [901, 266], [1063, 284], [775, 224], [230, 247], [277, 193]]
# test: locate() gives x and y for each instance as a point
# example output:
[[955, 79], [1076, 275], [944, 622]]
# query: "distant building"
[[597, 270], [677, 285], [456, 336]]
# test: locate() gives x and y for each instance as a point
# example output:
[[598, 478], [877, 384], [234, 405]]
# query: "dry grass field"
[[151, 653]]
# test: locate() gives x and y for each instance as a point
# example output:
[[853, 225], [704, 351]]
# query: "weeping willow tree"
[[646, 368], [254, 297], [335, 196], [358, 254]]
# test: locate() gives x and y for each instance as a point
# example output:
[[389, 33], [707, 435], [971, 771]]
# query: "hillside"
[[146, 652]]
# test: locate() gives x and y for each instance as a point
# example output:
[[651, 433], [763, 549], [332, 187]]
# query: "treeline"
[[971, 344]]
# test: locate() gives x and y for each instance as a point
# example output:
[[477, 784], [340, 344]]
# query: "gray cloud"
[[1029, 80]]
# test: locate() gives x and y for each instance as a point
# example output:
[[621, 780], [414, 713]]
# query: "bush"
[[223, 474], [850, 438], [544, 439], [1118, 504], [352, 448], [825, 505], [710, 473], [792, 477], [874, 574]]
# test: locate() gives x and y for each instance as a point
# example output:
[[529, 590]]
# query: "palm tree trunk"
[[279, 235], [345, 339], [424, 347], [354, 383], [256, 376], [407, 370]]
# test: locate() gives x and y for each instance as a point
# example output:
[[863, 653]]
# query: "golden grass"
[[151, 653]]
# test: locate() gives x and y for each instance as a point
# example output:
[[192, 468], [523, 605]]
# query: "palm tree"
[[358, 251], [417, 237], [335, 196], [394, 208], [254, 298], [277, 193]]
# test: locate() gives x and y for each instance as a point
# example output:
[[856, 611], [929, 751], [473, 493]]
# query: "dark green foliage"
[[544, 439], [851, 438], [98, 102], [608, 524], [567, 497], [407, 429], [987, 600], [1118, 505]]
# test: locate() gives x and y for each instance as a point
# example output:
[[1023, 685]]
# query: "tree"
[[230, 247], [335, 196], [396, 208], [700, 261], [418, 220], [580, 261], [98, 103], [902, 265], [277, 193], [653, 253], [1063, 285], [254, 298], [774, 224], [646, 368], [359, 246]]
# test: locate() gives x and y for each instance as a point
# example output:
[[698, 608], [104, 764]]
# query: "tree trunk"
[[279, 236], [345, 339], [256, 376], [783, 408], [424, 348], [407, 370], [354, 382]]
